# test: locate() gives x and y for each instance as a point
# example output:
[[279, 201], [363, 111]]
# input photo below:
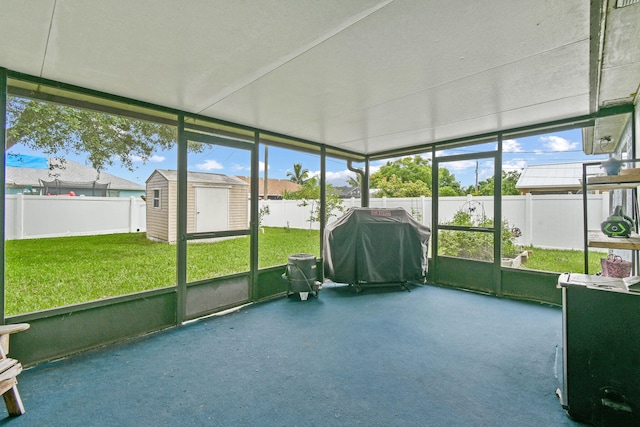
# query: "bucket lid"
[[301, 257]]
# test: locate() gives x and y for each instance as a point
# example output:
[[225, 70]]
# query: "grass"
[[48, 273], [562, 261]]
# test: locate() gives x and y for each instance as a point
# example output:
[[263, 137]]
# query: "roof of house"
[[66, 170], [275, 186], [557, 176], [200, 177]]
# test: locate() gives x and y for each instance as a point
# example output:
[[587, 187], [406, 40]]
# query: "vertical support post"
[[364, 188], [3, 140], [434, 212], [181, 246], [585, 223], [323, 194], [497, 217], [255, 194]]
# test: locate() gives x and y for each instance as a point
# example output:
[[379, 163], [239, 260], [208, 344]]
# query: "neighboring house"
[[276, 187], [347, 192], [560, 178], [215, 202], [34, 175]]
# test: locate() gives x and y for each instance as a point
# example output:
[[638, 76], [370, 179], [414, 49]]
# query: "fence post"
[[528, 219], [384, 202], [423, 207], [19, 217], [132, 214]]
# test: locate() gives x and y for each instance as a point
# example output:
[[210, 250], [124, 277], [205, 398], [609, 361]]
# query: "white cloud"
[[242, 168], [514, 165], [557, 143], [209, 165], [459, 165], [340, 178], [153, 159], [511, 146]]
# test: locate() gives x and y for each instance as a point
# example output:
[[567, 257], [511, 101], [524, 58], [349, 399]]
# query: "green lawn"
[[47, 273], [562, 261]]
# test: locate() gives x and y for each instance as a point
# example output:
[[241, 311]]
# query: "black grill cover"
[[368, 245]]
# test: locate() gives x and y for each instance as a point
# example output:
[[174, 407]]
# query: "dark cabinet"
[[601, 351]]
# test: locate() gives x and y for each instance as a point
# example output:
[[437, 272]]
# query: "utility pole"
[[476, 176]]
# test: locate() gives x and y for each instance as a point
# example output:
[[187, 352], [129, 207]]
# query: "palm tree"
[[355, 182], [299, 175]]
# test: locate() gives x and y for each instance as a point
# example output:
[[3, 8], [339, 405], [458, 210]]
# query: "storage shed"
[[215, 202]]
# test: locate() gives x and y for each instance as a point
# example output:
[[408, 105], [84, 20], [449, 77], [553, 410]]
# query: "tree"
[[411, 177], [395, 187], [509, 181], [299, 175], [355, 182], [57, 130], [407, 169], [310, 193]]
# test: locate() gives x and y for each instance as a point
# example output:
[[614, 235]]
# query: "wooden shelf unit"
[[629, 180]]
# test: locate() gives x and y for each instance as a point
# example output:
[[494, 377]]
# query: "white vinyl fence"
[[32, 217], [546, 221]]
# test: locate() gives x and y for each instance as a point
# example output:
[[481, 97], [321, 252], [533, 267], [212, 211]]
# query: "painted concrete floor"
[[384, 357]]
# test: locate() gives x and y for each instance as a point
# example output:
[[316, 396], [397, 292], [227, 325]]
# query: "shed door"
[[212, 209]]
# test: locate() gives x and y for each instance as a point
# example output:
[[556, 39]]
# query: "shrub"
[[475, 244]]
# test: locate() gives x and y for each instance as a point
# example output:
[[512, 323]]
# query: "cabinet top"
[[627, 284]]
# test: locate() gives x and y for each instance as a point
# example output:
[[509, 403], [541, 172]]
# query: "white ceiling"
[[363, 75]]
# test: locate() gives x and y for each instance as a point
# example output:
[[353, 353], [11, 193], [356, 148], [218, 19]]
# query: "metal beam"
[[254, 253], [3, 140], [181, 246]]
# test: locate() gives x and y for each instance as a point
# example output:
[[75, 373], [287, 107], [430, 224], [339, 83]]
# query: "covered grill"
[[369, 246]]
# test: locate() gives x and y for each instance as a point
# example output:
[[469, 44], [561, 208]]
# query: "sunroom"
[[332, 86]]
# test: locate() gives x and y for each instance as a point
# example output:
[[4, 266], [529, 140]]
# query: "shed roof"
[[66, 170], [559, 175], [200, 177]]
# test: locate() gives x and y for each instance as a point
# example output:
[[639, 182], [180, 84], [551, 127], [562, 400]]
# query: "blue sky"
[[557, 147]]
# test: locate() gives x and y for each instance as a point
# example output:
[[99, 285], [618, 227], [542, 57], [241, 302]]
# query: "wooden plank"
[[13, 402], [597, 239], [613, 181], [7, 385], [7, 363], [11, 372]]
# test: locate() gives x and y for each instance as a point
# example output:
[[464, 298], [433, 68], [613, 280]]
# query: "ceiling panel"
[[24, 29], [470, 127], [368, 75], [290, 101], [184, 54]]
